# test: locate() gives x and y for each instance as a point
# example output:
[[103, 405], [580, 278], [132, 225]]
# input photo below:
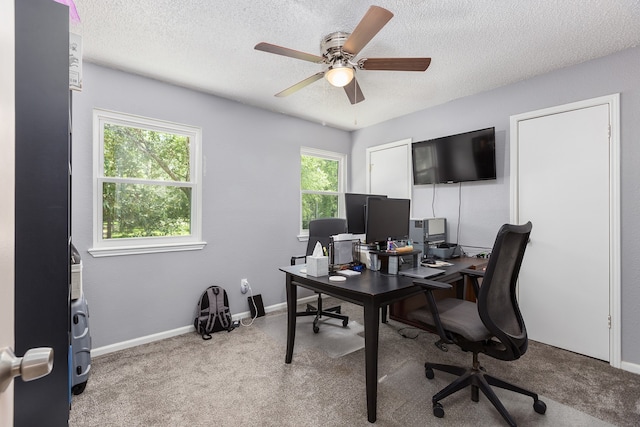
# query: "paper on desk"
[[317, 251], [342, 237]]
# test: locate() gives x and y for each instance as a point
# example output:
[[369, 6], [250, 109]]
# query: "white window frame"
[[341, 158], [130, 246]]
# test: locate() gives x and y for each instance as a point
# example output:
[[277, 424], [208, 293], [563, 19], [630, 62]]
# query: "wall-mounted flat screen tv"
[[469, 156]]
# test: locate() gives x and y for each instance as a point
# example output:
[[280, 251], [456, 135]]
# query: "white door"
[[7, 181], [389, 169], [563, 187]]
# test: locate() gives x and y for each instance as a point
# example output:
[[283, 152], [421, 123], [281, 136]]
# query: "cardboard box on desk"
[[317, 266]]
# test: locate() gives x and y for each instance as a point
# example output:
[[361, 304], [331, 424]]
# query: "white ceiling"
[[474, 45]]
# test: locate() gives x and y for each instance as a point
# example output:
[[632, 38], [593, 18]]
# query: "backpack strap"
[[221, 309], [203, 320], [209, 312]]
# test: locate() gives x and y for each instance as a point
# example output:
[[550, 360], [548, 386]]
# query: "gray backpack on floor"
[[212, 312]]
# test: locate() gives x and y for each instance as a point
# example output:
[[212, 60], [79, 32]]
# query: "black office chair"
[[493, 326], [320, 230]]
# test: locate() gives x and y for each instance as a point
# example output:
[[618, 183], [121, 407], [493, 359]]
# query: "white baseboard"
[[631, 367], [183, 330], [139, 341]]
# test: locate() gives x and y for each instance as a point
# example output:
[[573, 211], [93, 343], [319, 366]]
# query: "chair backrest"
[[497, 303], [321, 229]]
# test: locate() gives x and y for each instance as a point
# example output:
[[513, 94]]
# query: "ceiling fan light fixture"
[[339, 75]]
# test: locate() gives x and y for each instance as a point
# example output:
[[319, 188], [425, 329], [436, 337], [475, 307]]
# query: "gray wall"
[[250, 206], [485, 206], [251, 189]]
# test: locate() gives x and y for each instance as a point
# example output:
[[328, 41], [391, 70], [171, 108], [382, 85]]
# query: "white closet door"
[[389, 169], [564, 190]]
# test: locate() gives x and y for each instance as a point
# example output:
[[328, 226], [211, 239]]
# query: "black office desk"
[[371, 290]]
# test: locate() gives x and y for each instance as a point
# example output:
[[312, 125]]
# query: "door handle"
[[36, 363]]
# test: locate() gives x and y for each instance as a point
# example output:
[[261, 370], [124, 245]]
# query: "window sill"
[[146, 249], [303, 237]]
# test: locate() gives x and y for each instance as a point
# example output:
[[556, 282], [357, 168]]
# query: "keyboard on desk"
[[421, 272]]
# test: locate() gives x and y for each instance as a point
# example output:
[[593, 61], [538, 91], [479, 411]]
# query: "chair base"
[[479, 380], [319, 312]]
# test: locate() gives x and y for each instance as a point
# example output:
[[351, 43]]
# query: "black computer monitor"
[[387, 218], [356, 207]]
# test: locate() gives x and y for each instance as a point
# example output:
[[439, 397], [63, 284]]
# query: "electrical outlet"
[[244, 286]]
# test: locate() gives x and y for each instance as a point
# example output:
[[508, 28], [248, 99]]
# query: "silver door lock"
[[36, 363]]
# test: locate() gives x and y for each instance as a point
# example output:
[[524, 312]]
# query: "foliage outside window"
[[147, 185], [321, 185]]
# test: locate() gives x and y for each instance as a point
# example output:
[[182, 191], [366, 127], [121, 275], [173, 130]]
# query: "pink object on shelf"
[[73, 12]]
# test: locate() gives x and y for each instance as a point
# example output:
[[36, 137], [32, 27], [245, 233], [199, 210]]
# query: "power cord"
[[255, 308], [433, 201], [403, 332], [459, 211], [440, 344]]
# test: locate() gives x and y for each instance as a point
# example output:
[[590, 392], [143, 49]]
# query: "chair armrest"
[[296, 258], [429, 286], [474, 275]]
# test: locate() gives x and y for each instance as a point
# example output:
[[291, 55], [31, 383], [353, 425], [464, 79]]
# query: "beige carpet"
[[240, 379]]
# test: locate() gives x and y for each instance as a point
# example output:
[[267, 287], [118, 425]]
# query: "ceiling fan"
[[339, 51]]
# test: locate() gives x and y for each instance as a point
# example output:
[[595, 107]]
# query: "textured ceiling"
[[474, 45]]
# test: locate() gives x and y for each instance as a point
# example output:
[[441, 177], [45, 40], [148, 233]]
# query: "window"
[[322, 178], [147, 185]]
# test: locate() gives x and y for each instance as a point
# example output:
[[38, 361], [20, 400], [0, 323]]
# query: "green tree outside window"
[[142, 195], [320, 183]]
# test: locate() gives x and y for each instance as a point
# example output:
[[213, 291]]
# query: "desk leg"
[[461, 288], [371, 328], [292, 291]]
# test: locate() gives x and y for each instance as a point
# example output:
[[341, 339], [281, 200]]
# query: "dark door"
[[42, 206]]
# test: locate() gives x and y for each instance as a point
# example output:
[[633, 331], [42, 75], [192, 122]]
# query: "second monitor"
[[356, 207], [387, 219]]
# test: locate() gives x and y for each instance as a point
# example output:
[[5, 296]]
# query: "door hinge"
[[609, 321]]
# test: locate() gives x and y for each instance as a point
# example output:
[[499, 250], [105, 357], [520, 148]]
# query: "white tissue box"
[[317, 266]]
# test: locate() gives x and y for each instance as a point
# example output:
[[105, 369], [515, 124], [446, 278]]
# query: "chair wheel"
[[539, 406], [316, 329], [78, 388], [345, 322], [438, 410], [428, 372]]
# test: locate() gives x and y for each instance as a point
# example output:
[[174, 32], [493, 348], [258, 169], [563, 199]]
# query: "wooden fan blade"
[[353, 92], [372, 22], [291, 53], [395, 64], [296, 87]]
